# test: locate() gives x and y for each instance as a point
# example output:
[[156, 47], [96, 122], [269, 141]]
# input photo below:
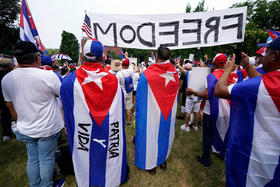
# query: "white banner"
[[176, 31], [198, 78]]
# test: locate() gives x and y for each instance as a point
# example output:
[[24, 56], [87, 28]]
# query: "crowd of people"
[[239, 112]]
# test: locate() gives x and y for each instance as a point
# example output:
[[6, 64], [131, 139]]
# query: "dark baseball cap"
[[24, 48], [275, 44]]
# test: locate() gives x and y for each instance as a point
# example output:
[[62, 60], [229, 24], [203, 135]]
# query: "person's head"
[[188, 66], [125, 63], [93, 51], [55, 67], [116, 65], [163, 54], [219, 61], [27, 54], [271, 61], [7, 63]]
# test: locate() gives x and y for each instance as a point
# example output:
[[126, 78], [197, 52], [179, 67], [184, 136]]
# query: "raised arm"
[[251, 71], [180, 67]]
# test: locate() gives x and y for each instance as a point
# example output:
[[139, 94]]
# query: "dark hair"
[[64, 70], [163, 53], [7, 63], [55, 67], [28, 58]]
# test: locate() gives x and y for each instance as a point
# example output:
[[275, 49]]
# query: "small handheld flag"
[[121, 53], [153, 56]]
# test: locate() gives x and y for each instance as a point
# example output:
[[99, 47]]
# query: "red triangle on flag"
[[164, 82]]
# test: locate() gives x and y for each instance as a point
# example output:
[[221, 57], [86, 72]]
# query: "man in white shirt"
[[126, 72], [31, 97]]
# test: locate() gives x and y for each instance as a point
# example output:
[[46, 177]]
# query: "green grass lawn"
[[182, 167]]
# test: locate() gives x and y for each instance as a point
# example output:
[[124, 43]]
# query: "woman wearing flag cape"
[[156, 106]]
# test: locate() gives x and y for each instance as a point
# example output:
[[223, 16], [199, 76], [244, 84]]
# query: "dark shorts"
[[134, 92]]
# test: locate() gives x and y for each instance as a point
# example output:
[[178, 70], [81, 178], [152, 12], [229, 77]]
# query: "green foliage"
[[70, 46], [188, 8], [200, 7], [52, 51], [9, 32]]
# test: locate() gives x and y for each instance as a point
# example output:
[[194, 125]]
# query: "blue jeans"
[[41, 159]]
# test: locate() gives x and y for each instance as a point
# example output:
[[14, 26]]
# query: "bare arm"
[[251, 71], [180, 67], [203, 95], [221, 89], [11, 108]]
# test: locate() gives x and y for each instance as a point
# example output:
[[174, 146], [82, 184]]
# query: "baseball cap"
[[93, 49], [24, 48], [275, 44], [220, 59], [125, 62]]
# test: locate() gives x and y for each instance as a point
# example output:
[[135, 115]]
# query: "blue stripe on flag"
[[26, 38], [124, 158], [187, 78], [214, 110], [141, 122], [98, 154], [276, 178], [243, 104], [240, 76], [67, 97], [163, 138]]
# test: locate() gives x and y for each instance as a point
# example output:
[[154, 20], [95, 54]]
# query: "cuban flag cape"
[[253, 153], [156, 106], [93, 106], [219, 112]]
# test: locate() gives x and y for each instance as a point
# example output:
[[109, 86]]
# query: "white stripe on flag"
[[27, 31], [222, 123], [80, 158], [153, 122], [21, 33], [114, 165], [86, 27], [266, 140], [172, 127]]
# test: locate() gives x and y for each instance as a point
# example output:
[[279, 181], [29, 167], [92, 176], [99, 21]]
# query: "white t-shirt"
[[135, 80], [34, 94], [122, 74]]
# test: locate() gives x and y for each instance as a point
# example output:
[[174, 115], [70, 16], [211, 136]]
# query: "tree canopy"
[[70, 46], [9, 32]]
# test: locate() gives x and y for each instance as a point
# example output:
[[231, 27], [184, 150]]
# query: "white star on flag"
[[169, 76], [95, 77]]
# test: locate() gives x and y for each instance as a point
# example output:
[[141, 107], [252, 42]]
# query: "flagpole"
[[81, 49]]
